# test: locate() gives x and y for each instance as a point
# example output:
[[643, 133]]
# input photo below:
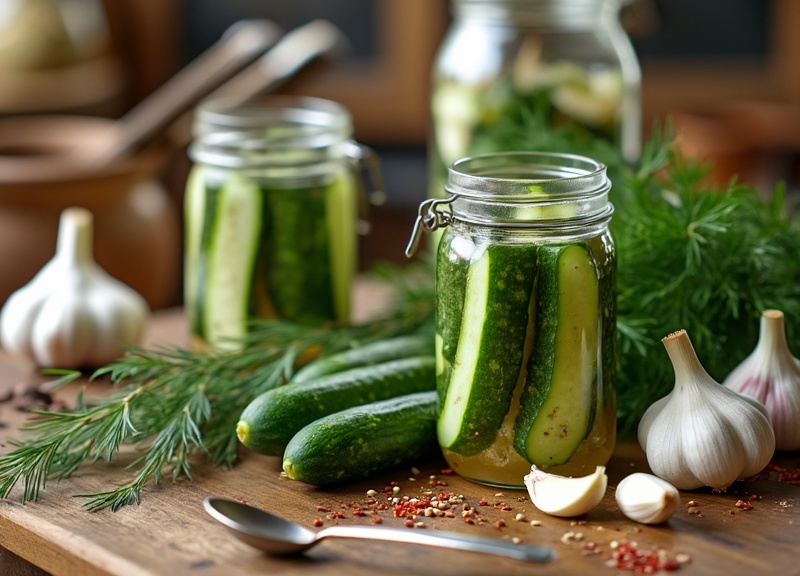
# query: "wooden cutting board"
[[168, 533]]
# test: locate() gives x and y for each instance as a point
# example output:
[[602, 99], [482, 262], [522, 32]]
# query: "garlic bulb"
[[771, 375], [72, 314], [646, 498], [701, 433], [563, 495]]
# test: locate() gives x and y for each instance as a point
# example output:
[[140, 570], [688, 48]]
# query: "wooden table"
[[170, 534]]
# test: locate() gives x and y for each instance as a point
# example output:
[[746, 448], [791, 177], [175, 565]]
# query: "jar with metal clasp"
[[525, 315], [272, 210]]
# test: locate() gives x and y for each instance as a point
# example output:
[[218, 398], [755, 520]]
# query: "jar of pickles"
[[505, 68], [525, 316], [271, 211]]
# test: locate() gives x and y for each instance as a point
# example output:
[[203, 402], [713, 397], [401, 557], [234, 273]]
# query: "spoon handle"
[[241, 44], [293, 51], [452, 540]]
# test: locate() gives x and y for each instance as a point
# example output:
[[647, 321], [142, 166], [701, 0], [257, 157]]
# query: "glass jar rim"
[[517, 176], [226, 112]]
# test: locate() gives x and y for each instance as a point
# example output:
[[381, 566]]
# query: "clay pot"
[[137, 226]]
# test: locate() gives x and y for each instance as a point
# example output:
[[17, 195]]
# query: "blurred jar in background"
[[57, 55], [505, 64]]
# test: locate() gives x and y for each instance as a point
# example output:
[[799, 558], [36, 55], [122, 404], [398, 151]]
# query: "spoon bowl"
[[275, 535]]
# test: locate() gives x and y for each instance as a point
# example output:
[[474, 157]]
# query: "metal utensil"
[[241, 44], [275, 535]]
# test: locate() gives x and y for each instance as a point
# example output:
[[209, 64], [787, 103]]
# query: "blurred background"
[[726, 71]]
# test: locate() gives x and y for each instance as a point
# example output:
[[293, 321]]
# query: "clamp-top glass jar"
[[271, 212], [503, 62], [525, 316]]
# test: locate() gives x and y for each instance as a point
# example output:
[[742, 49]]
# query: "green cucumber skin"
[[292, 270], [366, 355], [295, 257], [485, 373], [272, 418], [555, 413], [364, 440], [451, 282]]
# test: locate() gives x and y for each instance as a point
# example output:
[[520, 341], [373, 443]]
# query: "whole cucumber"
[[271, 419], [366, 355], [363, 440]]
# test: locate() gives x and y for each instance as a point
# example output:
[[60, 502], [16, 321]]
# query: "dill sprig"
[[173, 405], [690, 254]]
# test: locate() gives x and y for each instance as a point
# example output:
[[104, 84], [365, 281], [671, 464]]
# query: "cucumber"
[[490, 346], [194, 217], [341, 209], [295, 255], [361, 441], [223, 263], [557, 404], [271, 419], [451, 278], [366, 355]]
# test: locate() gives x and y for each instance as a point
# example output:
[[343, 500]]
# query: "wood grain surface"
[[170, 534]]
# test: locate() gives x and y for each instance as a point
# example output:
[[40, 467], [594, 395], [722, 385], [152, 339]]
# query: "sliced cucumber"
[[558, 403], [490, 344], [231, 253], [341, 210], [194, 218]]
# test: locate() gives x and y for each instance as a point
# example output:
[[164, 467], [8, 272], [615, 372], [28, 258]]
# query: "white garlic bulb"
[[566, 496], [646, 498], [771, 375], [72, 314], [701, 433]]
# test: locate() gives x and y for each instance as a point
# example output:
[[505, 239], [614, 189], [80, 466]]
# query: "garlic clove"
[[646, 498], [771, 375], [563, 495]]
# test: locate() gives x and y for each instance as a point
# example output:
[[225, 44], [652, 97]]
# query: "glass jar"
[[271, 212], [508, 67], [525, 316]]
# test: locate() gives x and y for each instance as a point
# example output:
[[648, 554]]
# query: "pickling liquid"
[[500, 464]]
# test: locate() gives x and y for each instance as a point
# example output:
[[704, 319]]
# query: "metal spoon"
[[241, 44], [275, 535]]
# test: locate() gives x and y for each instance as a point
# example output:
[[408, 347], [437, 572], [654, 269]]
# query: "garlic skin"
[[72, 314], [701, 433], [563, 495], [646, 498], [771, 375]]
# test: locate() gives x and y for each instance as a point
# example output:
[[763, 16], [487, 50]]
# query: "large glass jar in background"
[[525, 316], [271, 212], [503, 63]]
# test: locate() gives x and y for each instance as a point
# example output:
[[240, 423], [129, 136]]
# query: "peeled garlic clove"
[[563, 495], [646, 498]]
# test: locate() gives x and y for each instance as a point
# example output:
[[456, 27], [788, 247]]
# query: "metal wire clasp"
[[430, 217]]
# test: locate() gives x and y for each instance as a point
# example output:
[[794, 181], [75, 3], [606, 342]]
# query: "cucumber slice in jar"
[[340, 210], [558, 403], [194, 218], [488, 357], [231, 253]]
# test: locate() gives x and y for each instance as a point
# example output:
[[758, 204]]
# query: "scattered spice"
[[627, 557]]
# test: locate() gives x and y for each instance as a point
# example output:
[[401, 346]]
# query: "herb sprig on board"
[[174, 405]]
